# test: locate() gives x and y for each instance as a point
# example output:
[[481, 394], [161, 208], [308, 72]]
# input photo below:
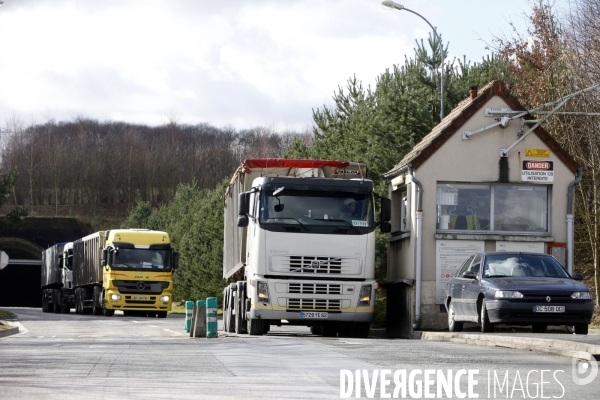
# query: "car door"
[[470, 290], [456, 287]]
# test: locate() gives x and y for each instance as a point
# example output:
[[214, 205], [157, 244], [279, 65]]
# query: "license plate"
[[549, 309], [140, 297], [316, 315]]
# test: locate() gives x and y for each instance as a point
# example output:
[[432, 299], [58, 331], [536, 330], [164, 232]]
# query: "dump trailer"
[[58, 294], [124, 269], [299, 246]]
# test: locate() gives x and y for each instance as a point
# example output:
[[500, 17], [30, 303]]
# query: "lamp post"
[[390, 4]]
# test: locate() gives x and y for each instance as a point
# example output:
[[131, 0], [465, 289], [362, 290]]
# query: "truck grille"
[[134, 287], [315, 265], [314, 288], [313, 304]]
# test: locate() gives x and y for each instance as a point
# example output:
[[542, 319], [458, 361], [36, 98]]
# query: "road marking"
[[153, 326], [175, 332]]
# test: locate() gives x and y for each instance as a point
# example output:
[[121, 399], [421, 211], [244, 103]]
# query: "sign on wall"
[[536, 171], [537, 153], [529, 247], [449, 256]]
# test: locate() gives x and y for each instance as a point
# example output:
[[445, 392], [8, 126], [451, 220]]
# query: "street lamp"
[[390, 4]]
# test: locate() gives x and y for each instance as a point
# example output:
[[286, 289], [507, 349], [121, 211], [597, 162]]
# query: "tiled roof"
[[457, 117]]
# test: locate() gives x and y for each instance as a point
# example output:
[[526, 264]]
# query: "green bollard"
[[211, 317], [189, 309]]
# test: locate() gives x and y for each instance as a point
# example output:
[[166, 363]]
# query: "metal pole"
[[400, 7], [441, 62]]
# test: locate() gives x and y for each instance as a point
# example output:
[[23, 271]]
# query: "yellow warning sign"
[[539, 153]]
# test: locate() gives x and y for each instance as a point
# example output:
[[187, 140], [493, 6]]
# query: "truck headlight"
[[365, 295], [263, 292], [508, 294], [164, 299], [581, 295], [115, 297]]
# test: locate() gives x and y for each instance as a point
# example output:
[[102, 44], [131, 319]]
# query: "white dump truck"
[[58, 294], [299, 246]]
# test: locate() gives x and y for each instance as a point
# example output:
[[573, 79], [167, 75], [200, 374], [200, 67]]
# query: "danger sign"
[[537, 171]]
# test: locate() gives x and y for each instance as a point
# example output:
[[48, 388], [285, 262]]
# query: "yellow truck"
[[124, 269]]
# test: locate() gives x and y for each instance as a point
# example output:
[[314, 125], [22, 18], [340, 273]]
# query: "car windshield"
[[141, 259], [522, 265], [314, 207]]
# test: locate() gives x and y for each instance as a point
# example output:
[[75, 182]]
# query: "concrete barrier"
[[199, 326]]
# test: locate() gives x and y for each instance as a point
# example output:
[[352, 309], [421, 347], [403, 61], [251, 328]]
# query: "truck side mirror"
[[244, 204], [242, 221], [104, 261], [385, 227], [386, 209], [175, 260]]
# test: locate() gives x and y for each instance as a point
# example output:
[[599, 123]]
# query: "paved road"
[[75, 357]]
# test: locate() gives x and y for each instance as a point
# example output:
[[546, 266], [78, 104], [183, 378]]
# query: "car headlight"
[[164, 299], [581, 295], [263, 292], [365, 295], [508, 294], [115, 297]]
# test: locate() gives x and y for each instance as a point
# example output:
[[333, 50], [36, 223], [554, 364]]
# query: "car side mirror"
[[577, 276], [469, 275]]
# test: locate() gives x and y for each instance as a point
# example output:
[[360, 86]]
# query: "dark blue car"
[[517, 289]]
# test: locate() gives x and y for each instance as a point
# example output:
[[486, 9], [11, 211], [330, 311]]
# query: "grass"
[[6, 314]]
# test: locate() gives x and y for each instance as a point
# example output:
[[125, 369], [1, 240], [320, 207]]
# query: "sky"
[[235, 63]]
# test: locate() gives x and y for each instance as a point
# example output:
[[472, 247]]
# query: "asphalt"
[[554, 342]]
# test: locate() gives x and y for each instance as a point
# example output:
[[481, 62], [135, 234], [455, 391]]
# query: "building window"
[[492, 208], [404, 223]]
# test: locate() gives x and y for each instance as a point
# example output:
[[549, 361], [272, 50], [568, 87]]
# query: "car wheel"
[[539, 328], [453, 325], [581, 329], [486, 325]]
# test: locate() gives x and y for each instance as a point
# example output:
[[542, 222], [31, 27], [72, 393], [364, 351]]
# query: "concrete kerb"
[[559, 347], [13, 330]]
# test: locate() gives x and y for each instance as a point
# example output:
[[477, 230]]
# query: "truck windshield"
[[141, 259], [325, 208]]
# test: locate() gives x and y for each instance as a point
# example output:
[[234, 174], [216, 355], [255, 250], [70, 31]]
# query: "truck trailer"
[[57, 279], [124, 269], [299, 246]]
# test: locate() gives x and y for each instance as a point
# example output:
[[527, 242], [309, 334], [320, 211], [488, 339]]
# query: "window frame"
[[492, 223]]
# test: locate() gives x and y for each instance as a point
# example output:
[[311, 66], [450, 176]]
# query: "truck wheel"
[[96, 306], [44, 301], [230, 313], [77, 301], [256, 326], [57, 301], [316, 329], [240, 324], [226, 309], [107, 312]]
